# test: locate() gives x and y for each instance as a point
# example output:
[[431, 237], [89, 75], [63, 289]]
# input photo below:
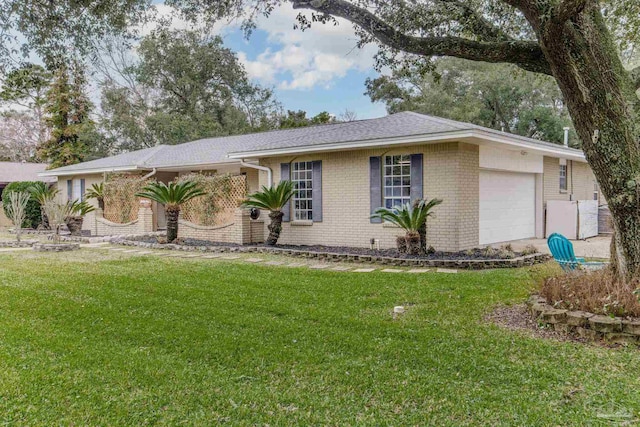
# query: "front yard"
[[102, 340]]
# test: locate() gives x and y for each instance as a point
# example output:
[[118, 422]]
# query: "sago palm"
[[272, 199], [96, 192], [77, 210], [41, 193], [172, 196], [412, 219]]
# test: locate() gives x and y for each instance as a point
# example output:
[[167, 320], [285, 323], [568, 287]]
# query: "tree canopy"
[[496, 96], [185, 85]]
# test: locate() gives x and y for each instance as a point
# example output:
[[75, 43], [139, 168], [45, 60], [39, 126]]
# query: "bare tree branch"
[[525, 54]]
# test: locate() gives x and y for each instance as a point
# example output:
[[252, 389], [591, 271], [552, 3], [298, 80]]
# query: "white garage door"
[[507, 206]]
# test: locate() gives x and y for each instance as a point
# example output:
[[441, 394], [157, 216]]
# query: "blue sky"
[[317, 70]]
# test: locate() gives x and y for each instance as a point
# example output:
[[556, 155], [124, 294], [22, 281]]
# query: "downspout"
[[150, 174], [261, 168]]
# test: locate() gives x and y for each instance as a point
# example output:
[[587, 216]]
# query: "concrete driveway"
[[595, 247]]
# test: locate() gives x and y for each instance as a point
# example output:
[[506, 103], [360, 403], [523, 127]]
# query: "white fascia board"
[[88, 171], [471, 135]]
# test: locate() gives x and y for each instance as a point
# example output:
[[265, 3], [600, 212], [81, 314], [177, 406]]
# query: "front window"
[[397, 180], [563, 177], [302, 178]]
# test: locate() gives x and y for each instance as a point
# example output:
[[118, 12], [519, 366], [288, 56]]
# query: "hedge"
[[33, 217]]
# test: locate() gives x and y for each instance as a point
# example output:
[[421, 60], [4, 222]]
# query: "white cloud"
[[306, 59]]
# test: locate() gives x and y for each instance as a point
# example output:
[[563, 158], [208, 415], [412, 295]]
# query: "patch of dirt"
[[518, 318]]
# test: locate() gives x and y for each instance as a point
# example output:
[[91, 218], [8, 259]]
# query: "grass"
[[105, 340]]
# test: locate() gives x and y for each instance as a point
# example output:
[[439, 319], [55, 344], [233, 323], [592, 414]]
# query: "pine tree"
[[68, 109]]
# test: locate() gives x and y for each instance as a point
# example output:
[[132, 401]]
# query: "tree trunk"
[[172, 223], [44, 219], [275, 227], [413, 243], [605, 108], [74, 224]]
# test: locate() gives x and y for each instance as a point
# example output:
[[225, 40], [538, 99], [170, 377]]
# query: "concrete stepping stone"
[[297, 264], [364, 270], [274, 263], [129, 251], [419, 270], [145, 252], [340, 268], [392, 270], [211, 256], [446, 270], [191, 256], [230, 257], [254, 260], [319, 266]]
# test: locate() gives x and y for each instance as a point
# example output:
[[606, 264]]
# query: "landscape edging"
[[523, 261], [590, 326]]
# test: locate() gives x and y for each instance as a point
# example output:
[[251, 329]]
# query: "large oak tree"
[[577, 42]]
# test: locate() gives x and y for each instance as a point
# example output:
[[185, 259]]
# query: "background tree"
[[185, 85], [298, 119], [33, 217], [501, 96], [68, 109]]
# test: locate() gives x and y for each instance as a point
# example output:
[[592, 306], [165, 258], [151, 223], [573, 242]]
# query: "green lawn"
[[107, 341]]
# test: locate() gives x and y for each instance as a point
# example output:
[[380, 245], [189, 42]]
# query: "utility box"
[[576, 220]]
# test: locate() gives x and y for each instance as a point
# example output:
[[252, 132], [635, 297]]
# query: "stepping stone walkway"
[[181, 254]]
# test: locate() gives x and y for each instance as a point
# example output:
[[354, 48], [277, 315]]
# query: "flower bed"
[[347, 254], [594, 327]]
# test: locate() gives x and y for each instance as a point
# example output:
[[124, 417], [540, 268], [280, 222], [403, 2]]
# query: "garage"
[[507, 206]]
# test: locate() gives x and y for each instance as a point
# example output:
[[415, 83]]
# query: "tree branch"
[[525, 54], [567, 10], [476, 22]]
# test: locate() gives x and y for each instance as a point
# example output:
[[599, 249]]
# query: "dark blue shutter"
[[416, 177], [316, 193], [375, 186], [285, 175], [69, 189], [82, 190]]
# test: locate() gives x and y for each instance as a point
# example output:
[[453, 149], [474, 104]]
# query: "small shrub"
[[431, 250], [505, 254], [529, 250], [596, 292], [507, 247], [33, 215], [489, 251]]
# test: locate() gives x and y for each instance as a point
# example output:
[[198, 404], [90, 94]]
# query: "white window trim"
[[297, 213], [566, 183], [403, 187]]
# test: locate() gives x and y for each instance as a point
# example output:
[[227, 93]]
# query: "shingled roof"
[[220, 150]]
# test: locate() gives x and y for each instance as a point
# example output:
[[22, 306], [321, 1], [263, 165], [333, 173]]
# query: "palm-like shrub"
[[412, 219], [41, 193], [272, 199], [18, 209], [96, 191], [75, 218], [172, 196]]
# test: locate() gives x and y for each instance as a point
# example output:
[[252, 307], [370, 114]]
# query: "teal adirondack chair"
[[562, 250]]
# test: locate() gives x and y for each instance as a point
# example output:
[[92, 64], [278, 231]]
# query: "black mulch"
[[473, 254]]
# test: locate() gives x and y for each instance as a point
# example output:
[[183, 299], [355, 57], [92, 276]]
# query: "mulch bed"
[[518, 318], [474, 254]]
